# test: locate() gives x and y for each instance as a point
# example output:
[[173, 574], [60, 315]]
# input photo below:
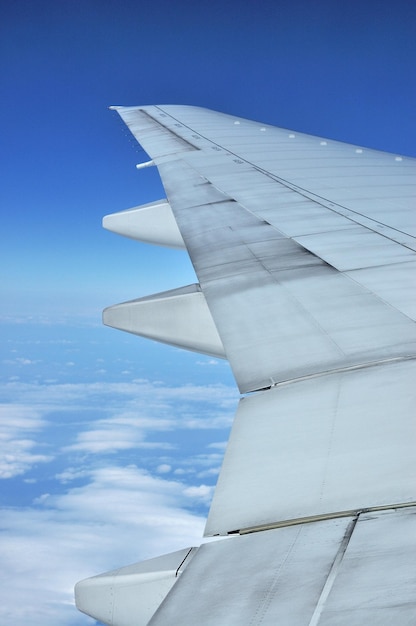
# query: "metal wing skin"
[[305, 253]]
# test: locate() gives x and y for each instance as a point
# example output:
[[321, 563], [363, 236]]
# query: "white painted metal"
[[151, 223], [355, 248], [268, 578], [164, 140], [130, 595], [395, 284], [338, 442], [376, 580], [141, 166], [305, 251], [272, 299], [330, 573], [179, 317], [268, 286], [334, 171]]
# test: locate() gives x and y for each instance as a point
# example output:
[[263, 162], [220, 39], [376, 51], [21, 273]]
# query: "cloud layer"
[[120, 516], [117, 472]]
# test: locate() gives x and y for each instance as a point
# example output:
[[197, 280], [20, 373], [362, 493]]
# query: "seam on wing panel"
[[334, 418], [338, 370], [353, 215], [183, 561], [333, 572], [165, 129], [320, 518], [270, 592], [357, 218]]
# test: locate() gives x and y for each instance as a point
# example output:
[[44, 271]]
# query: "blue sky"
[[112, 444]]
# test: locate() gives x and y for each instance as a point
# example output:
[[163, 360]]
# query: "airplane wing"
[[305, 253]]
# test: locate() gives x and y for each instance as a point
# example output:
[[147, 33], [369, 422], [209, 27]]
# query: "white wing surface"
[[305, 253]]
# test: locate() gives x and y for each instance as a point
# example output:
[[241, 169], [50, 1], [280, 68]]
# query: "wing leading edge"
[[304, 250]]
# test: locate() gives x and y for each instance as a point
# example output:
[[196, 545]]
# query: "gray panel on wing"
[[375, 184], [355, 248], [155, 138], [305, 252], [280, 310], [376, 580], [268, 578], [345, 572], [339, 442], [301, 184], [394, 284]]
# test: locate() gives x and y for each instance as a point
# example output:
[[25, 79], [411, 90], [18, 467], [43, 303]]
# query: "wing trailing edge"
[[348, 571], [304, 250]]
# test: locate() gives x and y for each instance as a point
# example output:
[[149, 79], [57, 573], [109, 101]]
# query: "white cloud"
[[130, 417], [208, 362], [21, 361], [121, 516], [111, 440], [217, 400], [218, 445], [18, 425], [164, 468], [64, 537], [180, 471], [203, 492], [213, 471], [206, 460], [70, 474]]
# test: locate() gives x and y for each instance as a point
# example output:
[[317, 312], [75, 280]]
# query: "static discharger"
[[140, 166]]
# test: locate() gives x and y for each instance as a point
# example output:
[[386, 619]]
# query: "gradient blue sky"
[[110, 441]]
